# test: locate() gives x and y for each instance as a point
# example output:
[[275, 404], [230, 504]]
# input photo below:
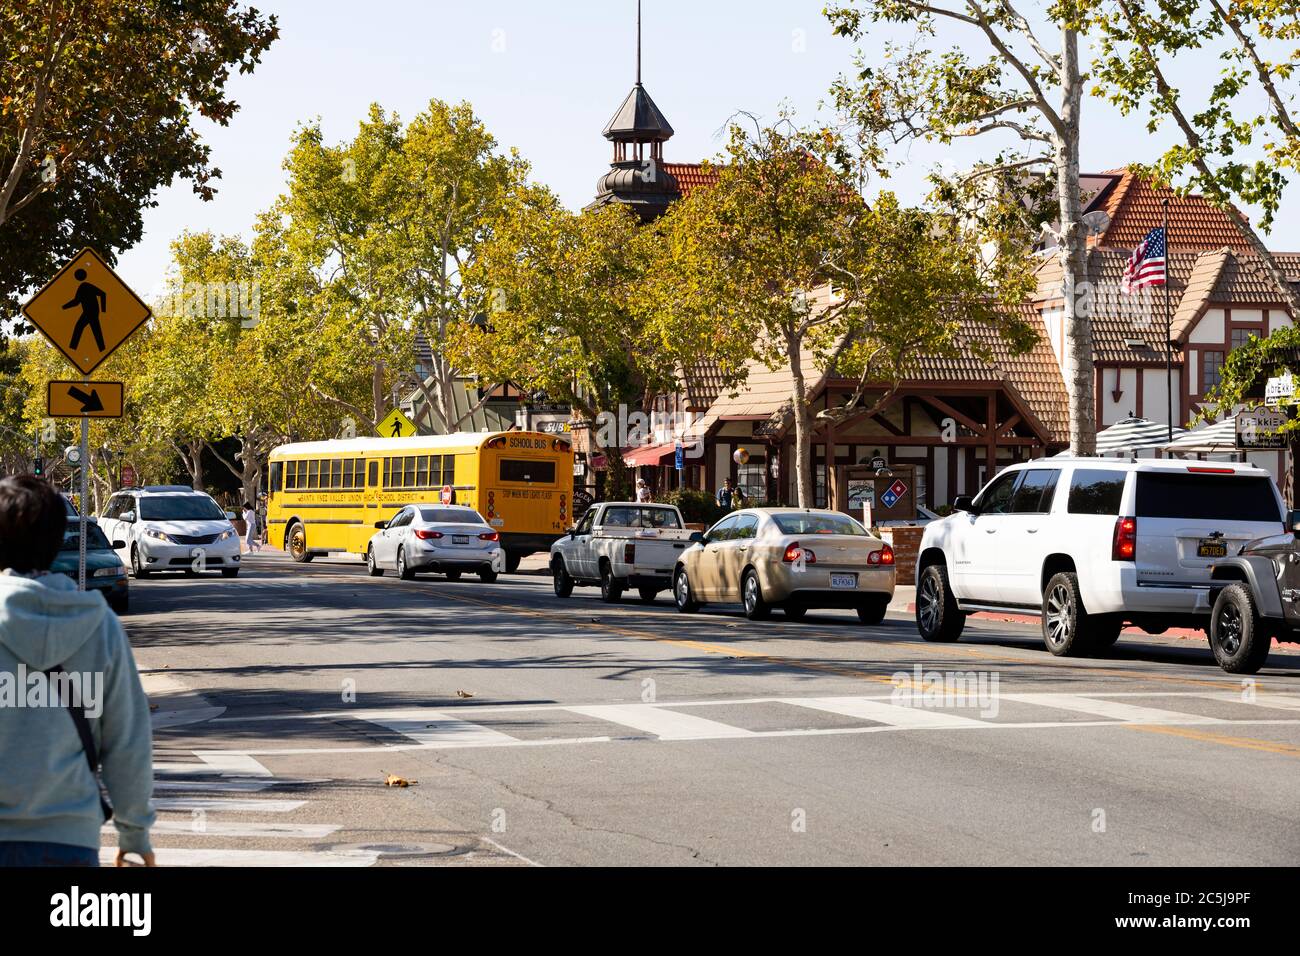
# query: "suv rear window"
[[1226, 497], [1096, 491]]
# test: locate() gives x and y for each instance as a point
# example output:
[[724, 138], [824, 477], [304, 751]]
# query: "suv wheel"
[[1068, 629], [682, 595], [937, 615], [137, 571], [756, 609], [1239, 638], [561, 580]]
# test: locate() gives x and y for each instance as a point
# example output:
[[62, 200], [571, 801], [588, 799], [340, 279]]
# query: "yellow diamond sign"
[[396, 425], [86, 311]]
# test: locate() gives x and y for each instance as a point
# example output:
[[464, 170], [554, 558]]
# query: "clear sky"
[[545, 78]]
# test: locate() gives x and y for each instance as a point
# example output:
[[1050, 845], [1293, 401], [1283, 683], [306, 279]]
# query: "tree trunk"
[[1073, 254], [804, 490], [194, 462], [377, 396]]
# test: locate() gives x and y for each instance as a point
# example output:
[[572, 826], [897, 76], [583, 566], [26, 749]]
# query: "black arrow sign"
[[89, 403]]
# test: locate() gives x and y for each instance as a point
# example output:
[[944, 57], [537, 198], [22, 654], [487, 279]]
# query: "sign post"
[[86, 312]]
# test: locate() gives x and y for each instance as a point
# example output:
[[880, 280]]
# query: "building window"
[[750, 478], [1241, 336], [1211, 367]]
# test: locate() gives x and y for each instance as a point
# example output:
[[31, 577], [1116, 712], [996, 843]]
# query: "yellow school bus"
[[326, 496]]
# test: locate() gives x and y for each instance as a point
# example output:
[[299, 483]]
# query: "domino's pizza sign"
[[894, 493]]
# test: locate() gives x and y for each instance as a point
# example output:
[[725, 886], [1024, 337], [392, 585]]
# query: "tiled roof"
[[703, 384], [1134, 207], [1201, 285], [692, 175]]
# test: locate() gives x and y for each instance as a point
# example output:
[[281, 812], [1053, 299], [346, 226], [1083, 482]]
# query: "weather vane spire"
[[638, 42]]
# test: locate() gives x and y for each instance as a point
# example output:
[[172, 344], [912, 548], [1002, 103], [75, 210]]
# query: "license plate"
[[844, 580], [1212, 548], [460, 539]]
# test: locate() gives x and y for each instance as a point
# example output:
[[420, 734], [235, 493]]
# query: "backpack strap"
[[82, 723]]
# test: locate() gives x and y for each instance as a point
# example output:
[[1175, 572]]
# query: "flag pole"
[[1169, 345]]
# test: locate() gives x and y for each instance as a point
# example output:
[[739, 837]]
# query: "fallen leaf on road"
[[393, 780], [153, 706], [464, 693]]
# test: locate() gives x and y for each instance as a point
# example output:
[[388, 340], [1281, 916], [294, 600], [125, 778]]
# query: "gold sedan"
[[790, 558]]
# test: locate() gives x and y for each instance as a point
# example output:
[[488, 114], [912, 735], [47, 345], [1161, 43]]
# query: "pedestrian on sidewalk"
[[643, 490], [725, 495], [76, 712], [252, 537]]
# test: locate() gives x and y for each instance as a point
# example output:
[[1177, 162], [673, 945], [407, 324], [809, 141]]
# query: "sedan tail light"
[[794, 551], [424, 534], [1124, 547], [884, 556], [489, 536]]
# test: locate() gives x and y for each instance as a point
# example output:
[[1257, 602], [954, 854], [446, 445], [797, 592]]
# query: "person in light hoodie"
[[51, 808]]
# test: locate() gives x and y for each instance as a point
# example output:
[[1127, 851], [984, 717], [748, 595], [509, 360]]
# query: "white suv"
[[171, 528], [1091, 544]]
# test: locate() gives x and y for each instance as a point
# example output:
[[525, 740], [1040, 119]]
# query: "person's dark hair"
[[33, 520], [248, 504]]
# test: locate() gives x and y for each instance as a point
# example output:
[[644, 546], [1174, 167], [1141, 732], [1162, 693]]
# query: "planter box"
[[906, 542]]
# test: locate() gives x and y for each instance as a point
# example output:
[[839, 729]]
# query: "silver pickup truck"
[[619, 545]]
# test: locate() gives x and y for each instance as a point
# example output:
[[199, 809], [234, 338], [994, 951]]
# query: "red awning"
[[648, 454]]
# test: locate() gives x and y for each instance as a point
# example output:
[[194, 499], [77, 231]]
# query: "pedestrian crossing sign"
[[396, 425], [86, 311]]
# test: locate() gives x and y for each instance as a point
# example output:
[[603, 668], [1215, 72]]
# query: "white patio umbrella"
[[1133, 434], [1209, 439]]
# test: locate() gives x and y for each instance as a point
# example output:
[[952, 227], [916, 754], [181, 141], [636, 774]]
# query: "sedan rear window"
[[451, 516], [817, 524], [1225, 497]]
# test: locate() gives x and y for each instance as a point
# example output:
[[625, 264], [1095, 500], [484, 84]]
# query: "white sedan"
[[436, 537]]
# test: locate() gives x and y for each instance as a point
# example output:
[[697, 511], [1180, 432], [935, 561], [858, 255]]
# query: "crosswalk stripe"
[[1128, 713], [229, 805], [231, 763], [895, 715], [169, 856], [664, 724], [224, 828], [212, 786], [437, 729]]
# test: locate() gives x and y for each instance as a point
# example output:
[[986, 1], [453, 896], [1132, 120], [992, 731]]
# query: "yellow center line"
[[1246, 743]]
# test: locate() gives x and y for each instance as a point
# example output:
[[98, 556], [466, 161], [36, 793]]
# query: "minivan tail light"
[[1124, 547], [424, 534], [793, 552], [884, 556]]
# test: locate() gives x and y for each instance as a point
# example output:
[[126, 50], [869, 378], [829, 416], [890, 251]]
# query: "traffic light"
[[38, 467]]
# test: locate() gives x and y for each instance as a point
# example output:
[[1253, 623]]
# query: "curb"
[[1184, 632]]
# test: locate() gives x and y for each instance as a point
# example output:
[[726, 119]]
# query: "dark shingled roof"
[[638, 119]]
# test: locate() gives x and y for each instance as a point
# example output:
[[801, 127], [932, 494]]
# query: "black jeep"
[[1259, 600]]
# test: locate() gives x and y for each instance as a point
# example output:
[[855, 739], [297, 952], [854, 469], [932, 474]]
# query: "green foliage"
[[97, 107], [697, 507]]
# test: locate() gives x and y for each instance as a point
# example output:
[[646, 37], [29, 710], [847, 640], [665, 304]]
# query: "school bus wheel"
[[296, 539]]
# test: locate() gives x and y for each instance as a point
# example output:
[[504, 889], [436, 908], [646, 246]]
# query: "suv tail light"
[[489, 536], [1124, 547], [793, 552], [424, 534], [884, 556]]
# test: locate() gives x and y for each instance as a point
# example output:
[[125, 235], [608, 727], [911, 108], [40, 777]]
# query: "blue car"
[[104, 570]]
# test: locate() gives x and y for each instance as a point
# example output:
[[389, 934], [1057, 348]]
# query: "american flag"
[[1147, 264]]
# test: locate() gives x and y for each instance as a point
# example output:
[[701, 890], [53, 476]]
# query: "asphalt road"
[[550, 732]]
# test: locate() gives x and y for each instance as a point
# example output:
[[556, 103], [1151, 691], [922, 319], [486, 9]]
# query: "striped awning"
[[1134, 434], [1221, 436]]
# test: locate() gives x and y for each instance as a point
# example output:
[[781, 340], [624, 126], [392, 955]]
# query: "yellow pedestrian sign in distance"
[[86, 311], [92, 399], [396, 425]]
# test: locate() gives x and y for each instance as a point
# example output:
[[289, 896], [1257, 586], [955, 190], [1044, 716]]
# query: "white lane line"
[[1276, 701], [895, 715], [664, 724], [168, 856], [509, 852], [230, 805], [437, 729], [235, 764], [223, 828], [1128, 713], [162, 719]]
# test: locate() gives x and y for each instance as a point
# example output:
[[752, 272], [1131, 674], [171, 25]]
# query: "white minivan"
[[1091, 544]]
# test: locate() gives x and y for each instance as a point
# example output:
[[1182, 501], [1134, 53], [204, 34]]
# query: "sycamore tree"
[[806, 275], [573, 314], [388, 225], [1023, 95], [98, 100]]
